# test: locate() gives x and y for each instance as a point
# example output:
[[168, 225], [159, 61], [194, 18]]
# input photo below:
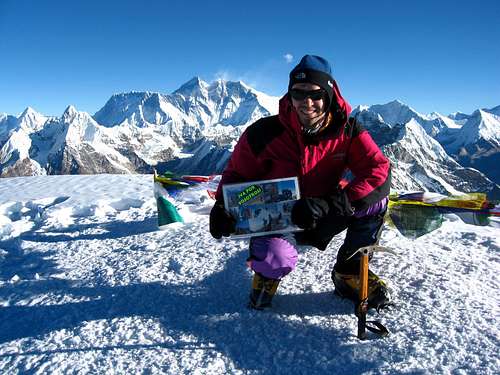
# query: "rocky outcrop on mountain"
[[23, 167]]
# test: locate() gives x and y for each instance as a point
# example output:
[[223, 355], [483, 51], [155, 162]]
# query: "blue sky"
[[439, 56]]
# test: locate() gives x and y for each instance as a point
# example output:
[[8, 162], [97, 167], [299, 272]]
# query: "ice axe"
[[361, 308]]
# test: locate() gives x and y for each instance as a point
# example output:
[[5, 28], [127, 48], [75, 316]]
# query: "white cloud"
[[269, 76], [224, 75], [250, 77]]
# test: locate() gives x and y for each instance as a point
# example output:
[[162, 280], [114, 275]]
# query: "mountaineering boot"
[[257, 287], [270, 288], [347, 286], [263, 291]]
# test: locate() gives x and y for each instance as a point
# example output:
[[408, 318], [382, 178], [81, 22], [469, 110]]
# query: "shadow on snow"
[[105, 231], [284, 340]]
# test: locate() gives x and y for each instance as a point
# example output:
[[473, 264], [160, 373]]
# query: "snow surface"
[[89, 285]]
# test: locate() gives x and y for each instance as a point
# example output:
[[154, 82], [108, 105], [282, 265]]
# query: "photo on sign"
[[262, 207]]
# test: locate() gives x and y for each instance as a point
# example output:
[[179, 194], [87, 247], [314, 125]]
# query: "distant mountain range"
[[194, 129]]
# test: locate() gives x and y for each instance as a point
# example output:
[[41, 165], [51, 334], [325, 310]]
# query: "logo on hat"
[[330, 83], [300, 75]]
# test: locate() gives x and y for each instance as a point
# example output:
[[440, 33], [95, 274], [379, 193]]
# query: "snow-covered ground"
[[89, 285]]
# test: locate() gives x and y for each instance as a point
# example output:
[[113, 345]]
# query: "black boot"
[[347, 286]]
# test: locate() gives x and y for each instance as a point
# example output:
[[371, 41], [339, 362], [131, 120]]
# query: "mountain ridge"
[[194, 128]]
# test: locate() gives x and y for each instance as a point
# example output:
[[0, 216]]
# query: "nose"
[[308, 101]]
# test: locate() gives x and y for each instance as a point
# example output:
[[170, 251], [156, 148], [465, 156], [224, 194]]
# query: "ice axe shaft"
[[362, 307], [363, 294]]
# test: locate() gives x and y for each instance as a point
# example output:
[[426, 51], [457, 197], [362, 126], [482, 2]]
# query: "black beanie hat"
[[316, 70]]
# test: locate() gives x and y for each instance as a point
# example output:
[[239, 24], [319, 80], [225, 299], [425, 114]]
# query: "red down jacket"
[[274, 147]]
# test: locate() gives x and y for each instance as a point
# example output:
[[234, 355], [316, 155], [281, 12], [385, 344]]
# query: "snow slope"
[[89, 285]]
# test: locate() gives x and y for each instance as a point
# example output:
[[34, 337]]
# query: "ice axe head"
[[367, 250]]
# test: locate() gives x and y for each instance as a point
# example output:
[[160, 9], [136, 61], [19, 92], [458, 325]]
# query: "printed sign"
[[262, 207]]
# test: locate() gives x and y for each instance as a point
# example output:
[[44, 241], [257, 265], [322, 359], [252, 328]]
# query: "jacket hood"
[[339, 107]]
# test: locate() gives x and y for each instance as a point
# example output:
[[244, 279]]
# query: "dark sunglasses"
[[298, 94]]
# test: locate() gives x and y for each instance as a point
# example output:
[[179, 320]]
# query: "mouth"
[[309, 113]]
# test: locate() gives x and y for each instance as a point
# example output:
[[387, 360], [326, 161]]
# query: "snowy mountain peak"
[[29, 112], [222, 102], [127, 107], [438, 119], [192, 87], [476, 143], [414, 126], [421, 163], [129, 96], [31, 120], [395, 112], [487, 126], [360, 108], [396, 103], [459, 116], [69, 113], [494, 110], [218, 87], [243, 84], [412, 130], [80, 126]]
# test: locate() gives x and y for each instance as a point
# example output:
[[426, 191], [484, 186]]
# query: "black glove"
[[306, 212], [339, 204], [221, 221]]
